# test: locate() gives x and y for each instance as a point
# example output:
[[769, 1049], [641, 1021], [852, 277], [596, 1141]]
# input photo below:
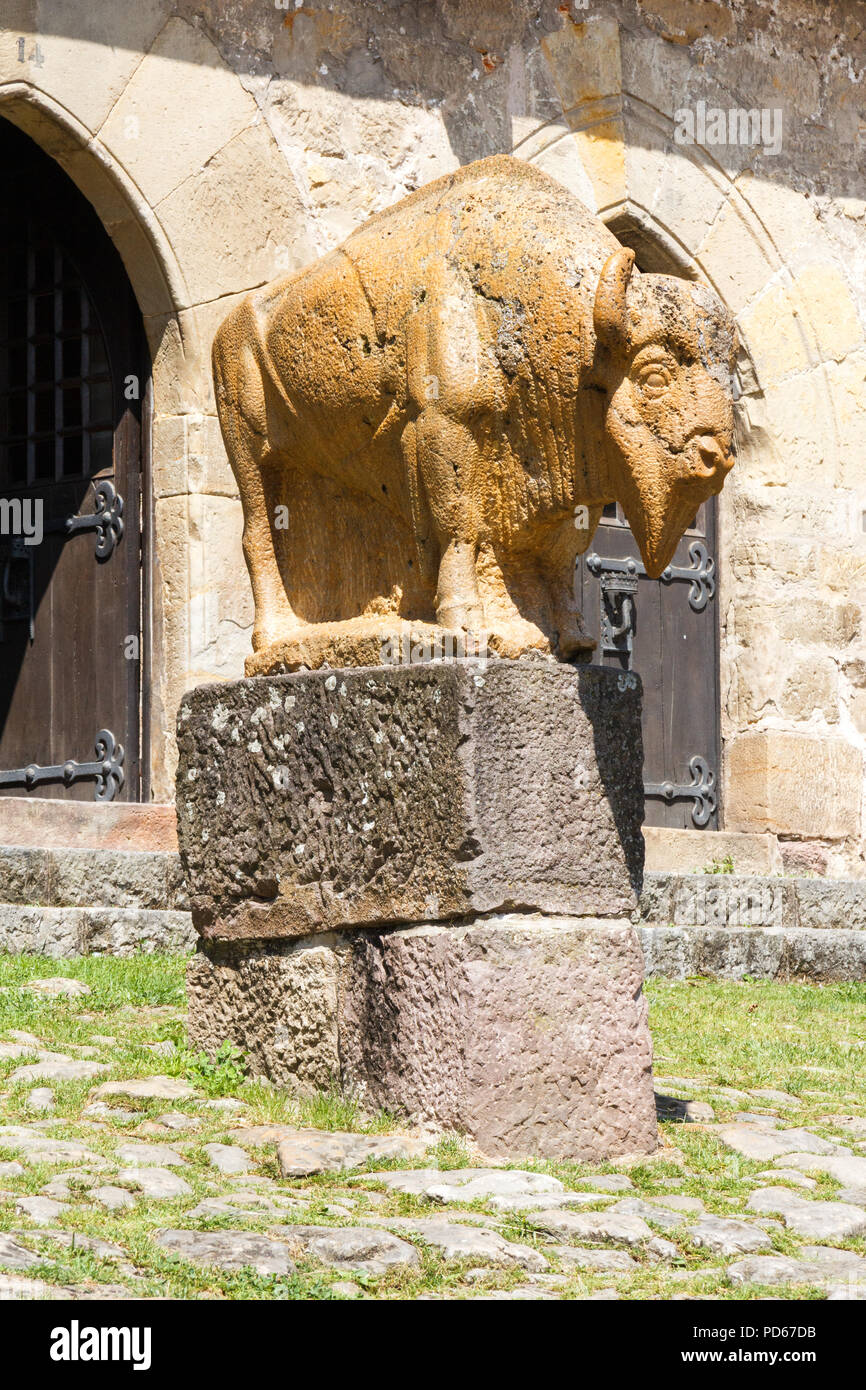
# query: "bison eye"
[[654, 379]]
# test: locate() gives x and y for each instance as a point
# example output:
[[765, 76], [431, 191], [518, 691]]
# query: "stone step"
[[735, 900], [124, 825], [767, 927], [769, 953], [91, 878], [61, 932]]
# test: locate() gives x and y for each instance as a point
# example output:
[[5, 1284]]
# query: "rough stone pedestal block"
[[528, 1033], [417, 881], [326, 799]]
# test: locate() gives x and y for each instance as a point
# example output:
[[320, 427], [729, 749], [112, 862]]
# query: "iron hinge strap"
[[107, 769], [701, 573], [701, 790], [106, 520]]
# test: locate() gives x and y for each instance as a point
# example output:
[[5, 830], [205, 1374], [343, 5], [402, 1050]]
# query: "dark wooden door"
[[72, 374], [667, 631]]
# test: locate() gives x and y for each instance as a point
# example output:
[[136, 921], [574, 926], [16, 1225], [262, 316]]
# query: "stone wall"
[[223, 145]]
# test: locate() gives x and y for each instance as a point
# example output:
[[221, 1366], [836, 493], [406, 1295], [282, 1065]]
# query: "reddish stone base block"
[[527, 1033]]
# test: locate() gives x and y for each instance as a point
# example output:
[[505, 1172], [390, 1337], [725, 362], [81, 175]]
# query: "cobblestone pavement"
[[131, 1169]]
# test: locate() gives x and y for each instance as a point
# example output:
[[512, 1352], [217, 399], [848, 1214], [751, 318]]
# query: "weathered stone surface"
[[41, 1099], [100, 1111], [89, 877], [460, 1242], [617, 1227], [727, 1236], [850, 1171], [464, 1184], [56, 985], [68, 932], [756, 1142], [148, 1088], [678, 1203], [13, 1255], [42, 1210], [257, 1136], [763, 767], [228, 1158], [13, 1287], [39, 1148], [775, 1097], [159, 1183], [329, 1151], [824, 1220], [791, 1176], [542, 1201], [228, 1250], [606, 1182], [605, 1261], [67, 1070], [246, 1206], [670, 851], [855, 1125], [528, 1034], [113, 1198], [822, 1267], [730, 953], [149, 1156], [68, 1185], [749, 1117], [26, 1049], [282, 1004], [717, 900], [661, 1216], [75, 1240], [11, 1169], [358, 1248], [452, 787], [175, 1119]]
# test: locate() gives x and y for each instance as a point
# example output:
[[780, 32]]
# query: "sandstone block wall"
[[224, 145]]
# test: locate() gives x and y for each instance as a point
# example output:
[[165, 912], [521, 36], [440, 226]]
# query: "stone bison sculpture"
[[426, 423]]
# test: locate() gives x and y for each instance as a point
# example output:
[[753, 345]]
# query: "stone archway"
[[157, 284]]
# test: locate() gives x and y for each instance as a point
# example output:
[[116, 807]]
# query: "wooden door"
[[72, 376], [667, 631]]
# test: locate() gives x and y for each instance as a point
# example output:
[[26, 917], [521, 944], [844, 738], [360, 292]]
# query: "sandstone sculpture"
[[426, 424]]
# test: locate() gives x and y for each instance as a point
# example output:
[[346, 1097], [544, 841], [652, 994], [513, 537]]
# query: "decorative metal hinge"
[[106, 520], [107, 769], [618, 613], [701, 573], [701, 789]]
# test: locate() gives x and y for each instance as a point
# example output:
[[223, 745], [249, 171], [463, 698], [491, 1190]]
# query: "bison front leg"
[[241, 405], [446, 458], [560, 554]]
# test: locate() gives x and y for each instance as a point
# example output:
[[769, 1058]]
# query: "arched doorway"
[[666, 630], [73, 372]]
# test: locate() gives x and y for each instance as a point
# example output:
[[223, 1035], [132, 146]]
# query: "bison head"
[[665, 354]]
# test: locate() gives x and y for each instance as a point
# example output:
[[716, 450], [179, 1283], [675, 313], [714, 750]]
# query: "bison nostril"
[[710, 450], [708, 457]]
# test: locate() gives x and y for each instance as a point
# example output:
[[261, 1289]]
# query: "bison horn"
[[609, 315]]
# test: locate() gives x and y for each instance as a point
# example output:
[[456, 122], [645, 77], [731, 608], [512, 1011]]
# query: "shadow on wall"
[[482, 63]]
